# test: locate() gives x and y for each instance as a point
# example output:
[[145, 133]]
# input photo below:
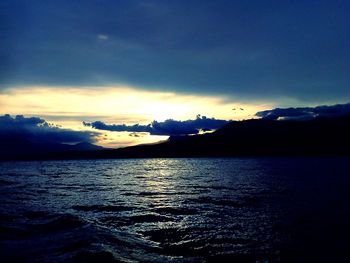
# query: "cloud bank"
[[167, 127], [37, 130], [305, 113], [252, 49]]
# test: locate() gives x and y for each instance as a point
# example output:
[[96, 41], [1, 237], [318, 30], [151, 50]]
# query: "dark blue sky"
[[244, 49]]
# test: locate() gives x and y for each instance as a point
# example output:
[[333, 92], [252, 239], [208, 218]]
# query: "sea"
[[285, 209]]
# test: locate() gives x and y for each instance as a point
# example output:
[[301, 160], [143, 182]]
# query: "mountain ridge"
[[254, 137]]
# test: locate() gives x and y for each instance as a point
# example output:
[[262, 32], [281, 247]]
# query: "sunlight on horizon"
[[69, 106]]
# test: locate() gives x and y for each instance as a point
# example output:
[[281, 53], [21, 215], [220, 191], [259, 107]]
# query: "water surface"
[[175, 210]]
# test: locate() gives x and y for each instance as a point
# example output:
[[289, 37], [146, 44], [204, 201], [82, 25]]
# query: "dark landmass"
[[256, 137], [24, 149]]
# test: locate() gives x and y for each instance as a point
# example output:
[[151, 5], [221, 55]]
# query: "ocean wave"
[[102, 208]]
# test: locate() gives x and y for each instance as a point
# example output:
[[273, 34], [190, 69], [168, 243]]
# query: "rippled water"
[[175, 210]]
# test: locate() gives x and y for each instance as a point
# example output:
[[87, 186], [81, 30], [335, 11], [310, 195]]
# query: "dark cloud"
[[36, 130], [306, 113], [99, 125], [138, 134], [254, 49], [167, 127]]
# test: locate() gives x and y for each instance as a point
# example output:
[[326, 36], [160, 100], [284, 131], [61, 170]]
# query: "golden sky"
[[69, 106]]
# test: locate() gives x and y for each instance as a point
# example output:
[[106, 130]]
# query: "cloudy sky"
[[132, 62]]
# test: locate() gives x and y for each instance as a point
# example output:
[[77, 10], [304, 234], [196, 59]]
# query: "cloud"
[[138, 134], [305, 113], [102, 37], [167, 127], [99, 125], [37, 130], [244, 49]]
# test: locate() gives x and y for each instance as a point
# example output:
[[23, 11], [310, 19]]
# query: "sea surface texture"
[[176, 210]]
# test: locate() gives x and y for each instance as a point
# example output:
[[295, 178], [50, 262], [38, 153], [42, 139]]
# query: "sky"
[[128, 62]]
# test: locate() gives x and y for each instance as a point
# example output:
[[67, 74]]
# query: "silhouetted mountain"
[[256, 137], [327, 136], [23, 149], [85, 146]]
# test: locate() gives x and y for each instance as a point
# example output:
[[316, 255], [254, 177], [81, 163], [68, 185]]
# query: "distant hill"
[[256, 137], [23, 149]]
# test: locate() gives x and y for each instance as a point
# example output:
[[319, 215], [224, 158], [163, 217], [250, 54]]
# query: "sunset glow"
[[70, 106]]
